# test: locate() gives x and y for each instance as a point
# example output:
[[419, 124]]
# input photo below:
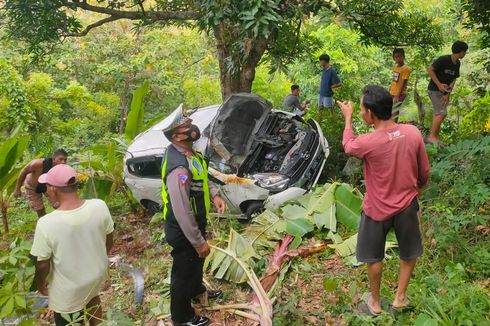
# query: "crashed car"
[[259, 157]]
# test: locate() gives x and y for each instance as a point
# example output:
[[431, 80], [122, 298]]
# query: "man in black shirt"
[[443, 73]]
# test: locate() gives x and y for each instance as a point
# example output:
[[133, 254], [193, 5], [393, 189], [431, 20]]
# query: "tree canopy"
[[478, 12], [246, 32]]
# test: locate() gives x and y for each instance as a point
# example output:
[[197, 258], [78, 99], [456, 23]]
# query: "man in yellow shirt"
[[398, 87], [71, 246]]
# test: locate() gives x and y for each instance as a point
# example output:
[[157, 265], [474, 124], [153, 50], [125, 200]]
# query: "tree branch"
[[91, 26], [133, 15]]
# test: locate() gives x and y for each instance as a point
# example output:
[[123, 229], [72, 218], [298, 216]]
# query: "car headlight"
[[271, 181]]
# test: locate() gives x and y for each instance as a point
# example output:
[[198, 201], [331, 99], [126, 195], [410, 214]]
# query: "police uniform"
[[186, 194]]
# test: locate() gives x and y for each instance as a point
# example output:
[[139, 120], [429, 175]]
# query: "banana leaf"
[[265, 231], [321, 207], [348, 206], [223, 265], [137, 112]]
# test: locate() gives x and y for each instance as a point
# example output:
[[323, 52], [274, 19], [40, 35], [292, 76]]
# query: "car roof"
[[153, 142]]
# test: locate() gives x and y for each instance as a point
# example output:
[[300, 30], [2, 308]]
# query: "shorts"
[[325, 102], [371, 238], [34, 199], [438, 107]]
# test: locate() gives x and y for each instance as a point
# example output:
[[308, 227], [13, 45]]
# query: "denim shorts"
[[325, 102]]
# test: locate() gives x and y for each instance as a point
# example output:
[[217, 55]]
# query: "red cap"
[[58, 176]]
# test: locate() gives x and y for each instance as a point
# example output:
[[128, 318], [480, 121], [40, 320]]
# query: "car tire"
[[254, 208], [151, 206]]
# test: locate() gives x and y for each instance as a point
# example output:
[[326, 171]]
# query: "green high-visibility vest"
[[199, 193]]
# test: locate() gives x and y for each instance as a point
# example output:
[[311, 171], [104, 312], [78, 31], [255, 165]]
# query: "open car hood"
[[238, 119]]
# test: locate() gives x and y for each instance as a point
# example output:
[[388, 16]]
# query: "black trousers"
[[185, 282]]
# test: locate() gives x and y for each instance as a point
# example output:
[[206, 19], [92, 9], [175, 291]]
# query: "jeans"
[[325, 102]]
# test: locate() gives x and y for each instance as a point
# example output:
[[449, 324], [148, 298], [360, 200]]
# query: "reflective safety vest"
[[200, 198]]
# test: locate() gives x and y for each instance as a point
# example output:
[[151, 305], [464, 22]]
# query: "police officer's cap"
[[177, 119]]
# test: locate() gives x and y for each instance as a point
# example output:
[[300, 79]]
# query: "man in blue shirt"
[[330, 80]]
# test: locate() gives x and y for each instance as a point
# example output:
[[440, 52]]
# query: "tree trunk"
[[3, 209], [419, 103], [241, 76], [124, 106]]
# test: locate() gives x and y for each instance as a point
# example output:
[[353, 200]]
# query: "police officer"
[[187, 194]]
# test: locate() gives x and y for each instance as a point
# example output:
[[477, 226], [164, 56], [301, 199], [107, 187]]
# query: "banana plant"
[[104, 161], [278, 236], [11, 150]]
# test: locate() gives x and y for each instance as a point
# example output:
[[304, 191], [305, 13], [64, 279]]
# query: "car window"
[[145, 166]]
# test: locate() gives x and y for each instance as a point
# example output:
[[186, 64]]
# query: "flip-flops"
[[394, 310], [365, 308]]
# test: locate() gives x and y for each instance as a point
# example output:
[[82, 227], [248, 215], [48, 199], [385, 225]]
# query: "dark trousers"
[[185, 282]]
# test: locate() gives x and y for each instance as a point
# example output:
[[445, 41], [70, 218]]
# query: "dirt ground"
[[133, 245]]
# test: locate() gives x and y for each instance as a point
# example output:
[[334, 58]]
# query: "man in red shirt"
[[396, 169]]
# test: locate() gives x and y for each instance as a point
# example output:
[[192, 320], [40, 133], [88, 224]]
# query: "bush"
[[475, 122]]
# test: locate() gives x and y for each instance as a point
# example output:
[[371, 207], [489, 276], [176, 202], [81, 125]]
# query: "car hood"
[[238, 120]]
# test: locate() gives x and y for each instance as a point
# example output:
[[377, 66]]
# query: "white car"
[[258, 156]]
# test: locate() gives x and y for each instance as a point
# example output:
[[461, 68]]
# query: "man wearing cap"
[[29, 175], [71, 245], [187, 194]]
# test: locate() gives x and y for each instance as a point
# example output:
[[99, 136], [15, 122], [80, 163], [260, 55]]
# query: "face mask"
[[189, 133]]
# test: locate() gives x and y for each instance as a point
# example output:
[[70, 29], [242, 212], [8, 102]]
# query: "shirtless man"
[[30, 173]]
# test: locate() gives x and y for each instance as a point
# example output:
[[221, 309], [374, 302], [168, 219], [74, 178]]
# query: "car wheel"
[[254, 208], [151, 206]]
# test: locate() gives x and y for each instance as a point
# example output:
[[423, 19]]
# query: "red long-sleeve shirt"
[[395, 167]]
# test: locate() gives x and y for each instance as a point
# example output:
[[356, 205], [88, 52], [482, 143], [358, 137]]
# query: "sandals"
[[394, 310], [365, 308]]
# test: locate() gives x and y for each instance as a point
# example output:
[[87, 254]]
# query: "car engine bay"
[[281, 145]]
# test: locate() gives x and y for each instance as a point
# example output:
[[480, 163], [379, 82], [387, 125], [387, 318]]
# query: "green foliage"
[[45, 107], [356, 65], [478, 12], [105, 161], [14, 108], [224, 265], [400, 24], [460, 174], [246, 31], [137, 113], [476, 122], [324, 207], [11, 151], [17, 276], [105, 170], [273, 87], [348, 207], [449, 299], [458, 201]]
